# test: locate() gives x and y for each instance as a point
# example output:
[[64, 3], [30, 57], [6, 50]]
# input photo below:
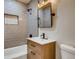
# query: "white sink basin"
[[40, 40]]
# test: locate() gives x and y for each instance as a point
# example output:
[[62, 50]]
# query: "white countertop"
[[40, 40]]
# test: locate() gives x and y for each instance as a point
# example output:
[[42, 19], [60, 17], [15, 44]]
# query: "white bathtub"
[[15, 52]]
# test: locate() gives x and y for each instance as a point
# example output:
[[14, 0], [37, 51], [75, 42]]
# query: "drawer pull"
[[33, 45], [33, 53]]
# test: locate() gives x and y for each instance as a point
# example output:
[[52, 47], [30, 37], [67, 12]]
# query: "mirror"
[[44, 17]]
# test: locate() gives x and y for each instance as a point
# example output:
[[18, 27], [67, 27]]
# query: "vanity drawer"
[[34, 46], [33, 55]]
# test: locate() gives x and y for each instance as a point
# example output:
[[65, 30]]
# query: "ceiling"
[[24, 1]]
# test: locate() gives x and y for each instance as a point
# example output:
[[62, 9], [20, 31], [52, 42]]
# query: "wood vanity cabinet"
[[38, 51]]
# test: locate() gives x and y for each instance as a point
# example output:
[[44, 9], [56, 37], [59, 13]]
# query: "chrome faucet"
[[43, 35]]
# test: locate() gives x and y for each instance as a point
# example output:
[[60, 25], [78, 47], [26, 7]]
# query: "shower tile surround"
[[15, 34]]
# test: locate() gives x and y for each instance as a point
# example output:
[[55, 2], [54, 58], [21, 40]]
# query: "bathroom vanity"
[[40, 48]]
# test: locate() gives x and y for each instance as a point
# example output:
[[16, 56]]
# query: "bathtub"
[[15, 52]]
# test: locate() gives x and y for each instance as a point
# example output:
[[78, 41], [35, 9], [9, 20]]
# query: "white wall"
[[63, 30], [66, 21]]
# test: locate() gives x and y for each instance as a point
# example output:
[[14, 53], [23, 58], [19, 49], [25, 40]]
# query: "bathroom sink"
[[40, 40]]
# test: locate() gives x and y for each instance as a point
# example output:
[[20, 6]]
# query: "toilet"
[[67, 52]]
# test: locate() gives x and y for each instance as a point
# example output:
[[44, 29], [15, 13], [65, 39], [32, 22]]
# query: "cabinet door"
[[33, 55]]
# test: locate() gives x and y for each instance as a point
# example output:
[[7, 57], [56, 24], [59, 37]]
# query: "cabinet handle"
[[33, 53], [33, 45]]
